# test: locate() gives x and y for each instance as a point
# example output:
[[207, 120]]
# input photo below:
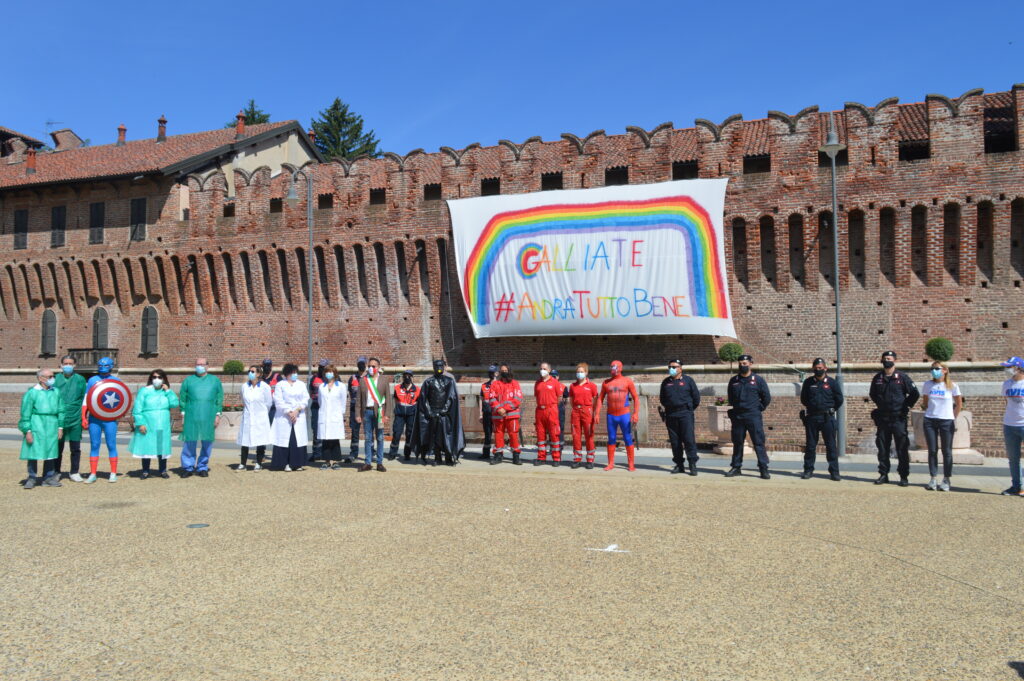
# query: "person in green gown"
[[151, 437], [42, 411], [202, 401], [71, 386]]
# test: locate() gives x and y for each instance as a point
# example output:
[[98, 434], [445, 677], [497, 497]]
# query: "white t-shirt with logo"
[[940, 399], [1013, 391]]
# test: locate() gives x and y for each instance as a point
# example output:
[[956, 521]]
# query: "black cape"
[[451, 422]]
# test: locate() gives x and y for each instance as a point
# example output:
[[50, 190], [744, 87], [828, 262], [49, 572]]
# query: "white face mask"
[[157, 382], [1010, 371], [581, 375], [544, 373]]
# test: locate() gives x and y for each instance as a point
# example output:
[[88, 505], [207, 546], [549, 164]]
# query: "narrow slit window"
[[378, 197], [616, 175], [684, 170], [432, 192], [550, 181], [490, 186]]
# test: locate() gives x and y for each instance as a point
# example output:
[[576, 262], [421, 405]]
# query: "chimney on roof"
[[239, 126], [15, 150], [312, 136], [121, 130], [65, 139], [30, 162], [161, 130]]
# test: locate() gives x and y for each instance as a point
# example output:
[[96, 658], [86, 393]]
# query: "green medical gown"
[[72, 391], [41, 412], [153, 410], [201, 398]]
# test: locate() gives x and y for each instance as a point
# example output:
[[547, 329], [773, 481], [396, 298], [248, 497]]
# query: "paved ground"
[[485, 573]]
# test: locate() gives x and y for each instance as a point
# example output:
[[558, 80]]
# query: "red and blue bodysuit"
[[620, 392]]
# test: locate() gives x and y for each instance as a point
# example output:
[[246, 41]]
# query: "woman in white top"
[[942, 401], [288, 433], [257, 401], [330, 426], [1013, 419]]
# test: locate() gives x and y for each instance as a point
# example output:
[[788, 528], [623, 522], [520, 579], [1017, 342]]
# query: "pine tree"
[[253, 115], [339, 132]]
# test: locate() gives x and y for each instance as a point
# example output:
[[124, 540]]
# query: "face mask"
[[252, 375], [937, 374], [373, 371], [361, 366], [581, 375], [544, 373], [68, 369], [744, 369], [293, 377], [200, 370], [329, 375], [819, 372], [50, 381], [1010, 371], [157, 382], [506, 376], [888, 363], [672, 371]]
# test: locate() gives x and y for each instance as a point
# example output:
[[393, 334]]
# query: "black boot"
[[574, 465], [516, 461], [496, 458], [882, 479], [589, 465], [806, 475], [733, 471], [765, 475], [693, 468]]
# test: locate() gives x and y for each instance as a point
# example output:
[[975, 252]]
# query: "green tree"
[[730, 352], [253, 115], [339, 132], [939, 349]]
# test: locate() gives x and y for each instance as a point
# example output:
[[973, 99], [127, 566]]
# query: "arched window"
[[150, 326], [49, 334], [99, 328]]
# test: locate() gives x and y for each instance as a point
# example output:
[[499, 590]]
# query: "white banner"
[[629, 259]]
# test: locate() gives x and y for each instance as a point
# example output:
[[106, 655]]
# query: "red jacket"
[[583, 396], [507, 396], [547, 392], [406, 396]]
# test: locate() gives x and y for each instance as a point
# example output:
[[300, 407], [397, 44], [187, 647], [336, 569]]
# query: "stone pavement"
[[484, 572]]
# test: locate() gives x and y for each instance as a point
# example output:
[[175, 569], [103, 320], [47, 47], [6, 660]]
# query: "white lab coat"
[[288, 396], [256, 402], [333, 398]]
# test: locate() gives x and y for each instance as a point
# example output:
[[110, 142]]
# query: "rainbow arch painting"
[[679, 213]]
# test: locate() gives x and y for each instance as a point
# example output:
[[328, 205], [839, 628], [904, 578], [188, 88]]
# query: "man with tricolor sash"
[[371, 412]]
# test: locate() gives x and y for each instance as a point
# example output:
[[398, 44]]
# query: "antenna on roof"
[[53, 124]]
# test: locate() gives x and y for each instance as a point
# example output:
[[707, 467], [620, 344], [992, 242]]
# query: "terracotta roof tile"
[[7, 132], [998, 100], [755, 138], [685, 144], [911, 122], [135, 157], [840, 120]]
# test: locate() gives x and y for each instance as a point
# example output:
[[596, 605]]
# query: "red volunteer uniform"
[[406, 396], [548, 392], [581, 399], [507, 396]]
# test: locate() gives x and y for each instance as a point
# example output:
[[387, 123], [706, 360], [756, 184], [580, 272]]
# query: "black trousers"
[[892, 429], [331, 450], [353, 426], [682, 437], [292, 455], [743, 425], [404, 423], [825, 426], [76, 455], [936, 431], [162, 461], [261, 451], [314, 417], [488, 432]]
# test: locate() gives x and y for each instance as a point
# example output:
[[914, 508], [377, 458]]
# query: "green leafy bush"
[[939, 349], [730, 352], [234, 367]]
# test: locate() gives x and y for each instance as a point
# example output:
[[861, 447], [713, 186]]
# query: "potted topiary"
[[231, 416], [939, 349], [730, 352]]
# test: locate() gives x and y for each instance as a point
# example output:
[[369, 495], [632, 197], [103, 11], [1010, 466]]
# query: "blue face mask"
[[581, 375], [252, 375], [200, 370], [937, 374], [293, 377], [672, 371], [68, 369], [50, 381], [329, 375]]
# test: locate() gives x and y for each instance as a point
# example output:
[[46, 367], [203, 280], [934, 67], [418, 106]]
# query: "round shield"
[[108, 400]]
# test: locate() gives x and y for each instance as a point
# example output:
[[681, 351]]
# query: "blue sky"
[[426, 74]]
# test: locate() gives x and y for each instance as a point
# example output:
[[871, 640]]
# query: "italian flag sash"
[[371, 386]]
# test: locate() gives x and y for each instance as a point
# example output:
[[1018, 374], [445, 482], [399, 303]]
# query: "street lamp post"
[[292, 199], [831, 148]]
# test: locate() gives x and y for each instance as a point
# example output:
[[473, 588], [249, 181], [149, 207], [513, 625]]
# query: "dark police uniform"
[[748, 397], [893, 397], [821, 398], [488, 420], [680, 397]]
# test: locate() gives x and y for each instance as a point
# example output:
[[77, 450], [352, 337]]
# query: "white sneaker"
[[91, 478], [288, 468], [945, 485], [933, 484], [75, 477], [240, 467], [257, 467], [112, 478]]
